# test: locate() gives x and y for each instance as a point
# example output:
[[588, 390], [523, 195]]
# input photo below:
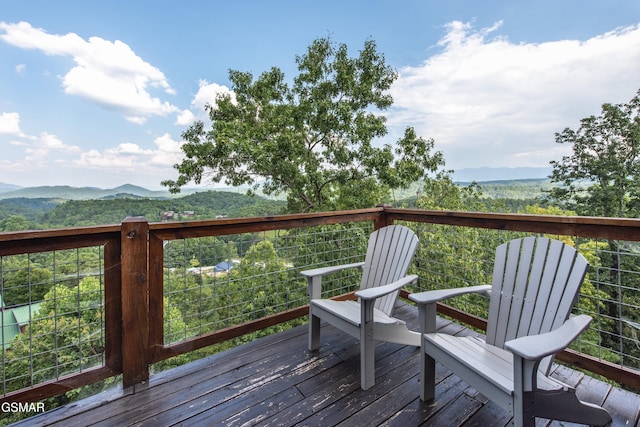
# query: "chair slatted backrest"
[[535, 285], [388, 258]]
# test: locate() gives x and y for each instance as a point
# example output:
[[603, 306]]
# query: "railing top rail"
[[628, 222], [19, 242], [12, 236], [584, 226], [176, 230], [62, 238]]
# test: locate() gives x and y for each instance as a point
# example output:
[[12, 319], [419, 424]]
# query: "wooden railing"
[[134, 274]]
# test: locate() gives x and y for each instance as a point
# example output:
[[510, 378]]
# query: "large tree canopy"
[[313, 140], [601, 176]]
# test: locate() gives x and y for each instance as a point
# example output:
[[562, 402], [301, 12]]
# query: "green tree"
[[441, 193], [602, 175], [23, 281], [15, 223], [260, 284], [312, 140]]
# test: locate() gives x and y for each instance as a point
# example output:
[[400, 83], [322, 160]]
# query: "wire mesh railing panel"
[[611, 295], [52, 315], [213, 283], [454, 256]]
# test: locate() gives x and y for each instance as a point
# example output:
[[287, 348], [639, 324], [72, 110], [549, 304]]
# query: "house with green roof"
[[14, 320]]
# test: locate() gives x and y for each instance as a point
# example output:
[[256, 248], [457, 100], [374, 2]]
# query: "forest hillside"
[[64, 206]]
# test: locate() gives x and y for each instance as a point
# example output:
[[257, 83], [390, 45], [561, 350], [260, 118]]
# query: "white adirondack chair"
[[535, 284], [384, 272]]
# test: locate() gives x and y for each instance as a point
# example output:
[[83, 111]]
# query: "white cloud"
[[489, 102], [110, 159], [207, 95], [40, 152], [130, 157], [107, 73], [168, 153], [20, 68], [185, 118], [10, 124]]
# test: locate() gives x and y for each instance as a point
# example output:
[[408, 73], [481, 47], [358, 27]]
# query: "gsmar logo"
[[22, 407]]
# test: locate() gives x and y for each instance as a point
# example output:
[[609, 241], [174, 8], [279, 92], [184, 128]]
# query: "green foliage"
[[312, 140], [601, 176], [521, 189], [441, 193], [205, 205], [26, 278], [27, 208], [15, 223], [205, 251]]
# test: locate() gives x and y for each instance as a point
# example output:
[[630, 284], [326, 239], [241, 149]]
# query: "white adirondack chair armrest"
[[534, 347], [323, 271], [378, 291], [430, 297]]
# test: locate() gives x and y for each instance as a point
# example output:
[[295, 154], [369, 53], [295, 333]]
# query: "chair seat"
[[350, 311], [492, 364]]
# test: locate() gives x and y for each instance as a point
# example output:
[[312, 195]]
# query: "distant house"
[[14, 321], [223, 267]]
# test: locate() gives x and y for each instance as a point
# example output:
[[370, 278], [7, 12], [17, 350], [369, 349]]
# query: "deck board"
[[275, 381]]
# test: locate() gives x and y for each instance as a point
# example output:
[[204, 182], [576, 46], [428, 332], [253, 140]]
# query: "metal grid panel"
[[53, 315], [453, 256], [217, 282]]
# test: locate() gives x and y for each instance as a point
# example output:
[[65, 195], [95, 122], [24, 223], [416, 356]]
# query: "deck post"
[[383, 220], [135, 301]]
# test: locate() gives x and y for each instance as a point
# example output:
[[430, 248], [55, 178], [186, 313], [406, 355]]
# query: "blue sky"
[[98, 93]]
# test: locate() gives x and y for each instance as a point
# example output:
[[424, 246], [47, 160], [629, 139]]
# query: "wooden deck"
[[274, 381]]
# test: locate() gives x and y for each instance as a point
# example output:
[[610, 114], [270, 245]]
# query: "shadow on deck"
[[275, 381]]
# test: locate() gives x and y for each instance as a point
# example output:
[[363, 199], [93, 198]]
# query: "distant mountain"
[[8, 187], [500, 174], [9, 191], [82, 193]]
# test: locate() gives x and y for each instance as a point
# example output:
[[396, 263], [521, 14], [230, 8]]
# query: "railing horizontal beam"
[[168, 231], [59, 386], [594, 227], [164, 352]]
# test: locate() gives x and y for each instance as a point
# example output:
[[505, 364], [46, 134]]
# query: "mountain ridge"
[[81, 193], [10, 191]]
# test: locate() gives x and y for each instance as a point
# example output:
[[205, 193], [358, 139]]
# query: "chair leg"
[[367, 357], [314, 332], [523, 410], [427, 378]]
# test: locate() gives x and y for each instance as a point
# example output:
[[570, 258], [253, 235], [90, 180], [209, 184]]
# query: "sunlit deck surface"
[[274, 381]]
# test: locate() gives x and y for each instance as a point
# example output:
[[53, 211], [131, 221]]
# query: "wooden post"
[[382, 220], [135, 301], [113, 305], [156, 297]]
